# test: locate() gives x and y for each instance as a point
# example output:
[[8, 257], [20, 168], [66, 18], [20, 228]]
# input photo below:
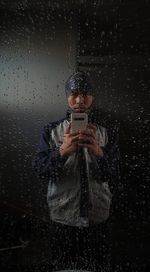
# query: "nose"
[[80, 99]]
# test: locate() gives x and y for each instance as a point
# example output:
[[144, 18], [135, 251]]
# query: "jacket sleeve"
[[47, 162], [108, 167]]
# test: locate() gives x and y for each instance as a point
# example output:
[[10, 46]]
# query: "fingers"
[[91, 130], [70, 140], [74, 134], [87, 135], [75, 139], [88, 140], [91, 126], [81, 137], [93, 134], [68, 131]]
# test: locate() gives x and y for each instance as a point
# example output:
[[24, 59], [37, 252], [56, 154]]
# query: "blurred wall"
[[37, 54]]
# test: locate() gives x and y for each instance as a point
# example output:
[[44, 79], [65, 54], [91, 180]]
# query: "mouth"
[[79, 108]]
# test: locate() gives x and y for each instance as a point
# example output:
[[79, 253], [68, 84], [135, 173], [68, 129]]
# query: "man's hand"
[[70, 143], [87, 138], [84, 138]]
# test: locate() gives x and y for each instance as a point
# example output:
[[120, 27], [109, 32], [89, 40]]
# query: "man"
[[81, 168]]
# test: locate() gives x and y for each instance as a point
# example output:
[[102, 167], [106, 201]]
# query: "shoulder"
[[47, 128], [54, 124]]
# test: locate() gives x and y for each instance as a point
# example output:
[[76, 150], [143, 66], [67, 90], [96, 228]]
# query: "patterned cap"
[[79, 81]]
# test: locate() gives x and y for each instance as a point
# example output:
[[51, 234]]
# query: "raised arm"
[[47, 162]]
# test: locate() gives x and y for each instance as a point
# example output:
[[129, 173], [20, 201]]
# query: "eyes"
[[75, 94]]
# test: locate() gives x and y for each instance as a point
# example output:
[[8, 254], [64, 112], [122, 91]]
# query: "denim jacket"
[[63, 175]]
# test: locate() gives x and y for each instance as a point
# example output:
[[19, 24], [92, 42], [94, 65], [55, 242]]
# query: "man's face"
[[80, 102]]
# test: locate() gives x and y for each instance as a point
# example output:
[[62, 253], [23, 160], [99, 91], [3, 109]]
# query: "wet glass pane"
[[42, 43]]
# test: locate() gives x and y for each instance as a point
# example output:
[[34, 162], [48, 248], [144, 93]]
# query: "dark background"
[[41, 44]]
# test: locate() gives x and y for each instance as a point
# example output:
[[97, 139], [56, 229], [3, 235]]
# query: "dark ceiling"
[[68, 4], [104, 26]]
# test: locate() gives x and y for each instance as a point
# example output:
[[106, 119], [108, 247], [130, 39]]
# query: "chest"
[[57, 134]]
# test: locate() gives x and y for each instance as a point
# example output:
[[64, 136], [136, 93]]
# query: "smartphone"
[[79, 121]]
